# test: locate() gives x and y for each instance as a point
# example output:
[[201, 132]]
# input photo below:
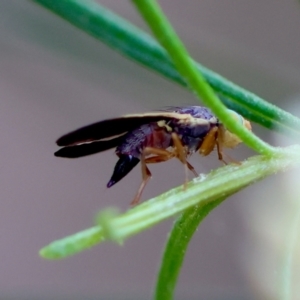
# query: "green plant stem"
[[166, 35], [139, 46], [176, 247], [289, 255], [219, 183]]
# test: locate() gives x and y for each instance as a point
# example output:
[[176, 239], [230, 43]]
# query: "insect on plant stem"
[[152, 137]]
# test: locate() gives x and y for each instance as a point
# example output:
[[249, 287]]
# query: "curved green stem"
[[166, 35], [219, 183], [176, 247]]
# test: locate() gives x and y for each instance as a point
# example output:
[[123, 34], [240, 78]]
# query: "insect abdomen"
[[134, 142], [148, 135]]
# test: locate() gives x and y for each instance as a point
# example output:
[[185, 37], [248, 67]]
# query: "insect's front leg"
[[219, 150], [181, 155], [161, 155], [209, 142], [213, 138]]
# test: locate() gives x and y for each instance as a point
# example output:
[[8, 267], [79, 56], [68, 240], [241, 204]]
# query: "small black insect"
[[151, 138]]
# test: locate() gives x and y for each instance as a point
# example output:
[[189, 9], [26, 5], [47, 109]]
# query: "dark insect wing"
[[105, 134], [88, 148], [112, 127], [109, 133], [98, 131]]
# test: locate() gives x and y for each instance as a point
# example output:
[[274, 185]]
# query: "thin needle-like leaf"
[[137, 45]]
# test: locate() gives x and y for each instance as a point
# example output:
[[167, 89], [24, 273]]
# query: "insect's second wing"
[[88, 148], [112, 127]]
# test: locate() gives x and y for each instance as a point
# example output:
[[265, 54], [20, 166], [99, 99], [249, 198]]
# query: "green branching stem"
[[214, 186], [137, 45]]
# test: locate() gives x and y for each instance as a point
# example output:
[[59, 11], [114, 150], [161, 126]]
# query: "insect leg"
[[160, 155], [146, 175], [164, 155], [229, 159], [209, 142], [192, 169], [181, 155], [219, 149]]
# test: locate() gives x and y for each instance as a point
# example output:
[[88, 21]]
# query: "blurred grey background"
[[54, 78]]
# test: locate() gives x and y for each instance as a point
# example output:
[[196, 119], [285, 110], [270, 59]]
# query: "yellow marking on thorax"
[[163, 123]]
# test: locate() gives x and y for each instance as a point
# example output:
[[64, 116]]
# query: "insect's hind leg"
[[123, 166], [160, 155], [146, 175], [212, 139]]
